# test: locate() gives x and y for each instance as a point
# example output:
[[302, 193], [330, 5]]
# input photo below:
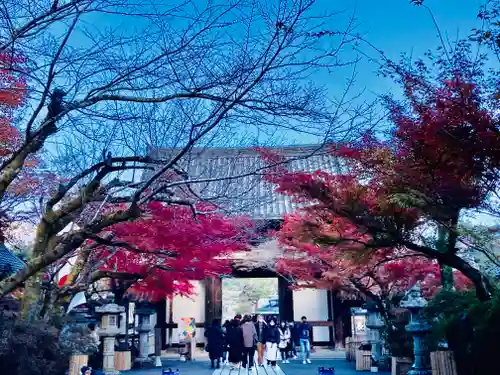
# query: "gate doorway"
[[250, 296]]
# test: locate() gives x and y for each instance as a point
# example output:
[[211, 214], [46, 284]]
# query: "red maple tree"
[[12, 96], [161, 253], [440, 158], [328, 252], [32, 182]]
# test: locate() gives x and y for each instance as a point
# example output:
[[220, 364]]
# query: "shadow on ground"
[[295, 368]]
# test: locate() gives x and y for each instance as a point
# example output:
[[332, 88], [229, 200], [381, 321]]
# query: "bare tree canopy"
[[109, 79]]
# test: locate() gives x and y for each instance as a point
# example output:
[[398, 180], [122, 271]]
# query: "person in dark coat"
[[225, 327], [215, 342], [271, 340], [295, 342], [235, 343]]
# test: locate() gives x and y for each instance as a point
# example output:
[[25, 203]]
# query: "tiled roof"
[[248, 194], [9, 263]]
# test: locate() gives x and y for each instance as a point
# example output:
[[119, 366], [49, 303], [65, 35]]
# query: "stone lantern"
[[418, 328], [144, 311], [108, 329], [374, 324]]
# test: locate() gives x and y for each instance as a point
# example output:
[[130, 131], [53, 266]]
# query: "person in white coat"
[[284, 344], [272, 339]]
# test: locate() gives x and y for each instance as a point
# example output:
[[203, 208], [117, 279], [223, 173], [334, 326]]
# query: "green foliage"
[[77, 339], [31, 349], [471, 327], [397, 339]]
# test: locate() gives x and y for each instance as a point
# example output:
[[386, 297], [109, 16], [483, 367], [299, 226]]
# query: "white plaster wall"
[[193, 306], [312, 303]]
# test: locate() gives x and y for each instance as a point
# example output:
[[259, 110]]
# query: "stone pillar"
[[144, 312], [108, 331], [418, 328], [374, 324]]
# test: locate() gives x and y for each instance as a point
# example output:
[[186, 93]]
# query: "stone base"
[[158, 361]]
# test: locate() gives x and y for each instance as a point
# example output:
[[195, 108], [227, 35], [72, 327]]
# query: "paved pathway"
[[294, 368]]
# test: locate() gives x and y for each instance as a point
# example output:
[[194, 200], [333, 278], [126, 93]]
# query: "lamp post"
[[110, 313], [375, 324], [418, 328], [144, 311]]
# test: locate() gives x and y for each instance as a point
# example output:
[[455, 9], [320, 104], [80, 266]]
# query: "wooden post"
[[363, 360], [161, 322], [77, 361], [213, 299], [341, 320], [123, 361], [443, 363], [285, 295], [331, 330], [170, 319]]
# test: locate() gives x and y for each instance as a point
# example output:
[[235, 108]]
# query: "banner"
[[187, 328]]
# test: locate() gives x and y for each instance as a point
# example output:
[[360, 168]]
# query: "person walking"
[[249, 341], [295, 339], [284, 343], [215, 343], [272, 339], [225, 351], [235, 343], [305, 340], [260, 327]]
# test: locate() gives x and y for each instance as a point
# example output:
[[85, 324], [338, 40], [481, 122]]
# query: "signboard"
[[77, 300], [187, 328]]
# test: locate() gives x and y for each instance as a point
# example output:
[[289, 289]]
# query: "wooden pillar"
[[161, 321], [170, 319], [213, 299], [331, 331], [341, 320], [285, 297]]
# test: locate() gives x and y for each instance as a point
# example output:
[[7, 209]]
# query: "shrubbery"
[[31, 349], [471, 328]]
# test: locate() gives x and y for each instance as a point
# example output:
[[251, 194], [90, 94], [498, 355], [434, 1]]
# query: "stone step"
[[229, 370]]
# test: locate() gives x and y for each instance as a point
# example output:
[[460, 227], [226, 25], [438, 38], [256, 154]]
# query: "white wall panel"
[[312, 303], [193, 306]]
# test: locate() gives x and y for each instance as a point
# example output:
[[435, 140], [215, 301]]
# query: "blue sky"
[[397, 26]]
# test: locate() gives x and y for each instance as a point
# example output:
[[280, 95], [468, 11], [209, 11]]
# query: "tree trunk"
[[442, 246], [483, 287], [447, 280], [31, 303]]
